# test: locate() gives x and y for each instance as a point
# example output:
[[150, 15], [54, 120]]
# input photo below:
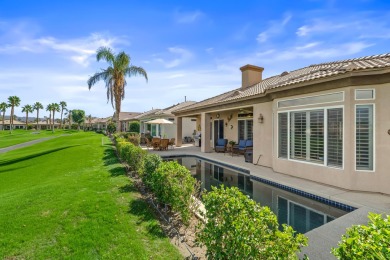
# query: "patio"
[[324, 237]]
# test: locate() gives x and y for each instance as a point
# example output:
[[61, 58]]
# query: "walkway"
[[17, 146], [321, 239]]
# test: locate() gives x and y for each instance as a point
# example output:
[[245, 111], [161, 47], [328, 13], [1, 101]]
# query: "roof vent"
[[284, 73]]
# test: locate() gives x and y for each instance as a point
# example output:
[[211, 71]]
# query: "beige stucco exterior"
[[265, 131]]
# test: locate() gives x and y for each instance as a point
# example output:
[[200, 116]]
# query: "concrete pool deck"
[[323, 238]]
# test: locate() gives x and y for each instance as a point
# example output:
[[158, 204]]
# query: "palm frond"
[[105, 53], [135, 71], [122, 61], [96, 78]]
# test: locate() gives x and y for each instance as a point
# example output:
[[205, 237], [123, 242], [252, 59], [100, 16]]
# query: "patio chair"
[[172, 143], [164, 144], [220, 146], [156, 143], [148, 143]]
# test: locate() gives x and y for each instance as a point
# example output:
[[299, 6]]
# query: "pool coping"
[[329, 202]]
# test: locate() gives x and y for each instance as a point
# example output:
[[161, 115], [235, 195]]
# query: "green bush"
[[151, 163], [134, 127], [366, 242], [239, 228], [134, 138], [173, 184], [131, 154]]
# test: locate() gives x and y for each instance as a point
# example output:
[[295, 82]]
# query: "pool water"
[[303, 214]]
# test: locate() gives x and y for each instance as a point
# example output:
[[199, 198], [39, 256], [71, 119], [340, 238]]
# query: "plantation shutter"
[[335, 137], [316, 134], [283, 135], [298, 135], [364, 137]]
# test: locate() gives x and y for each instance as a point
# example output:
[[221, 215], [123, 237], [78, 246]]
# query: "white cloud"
[[275, 28], [187, 17], [181, 56]]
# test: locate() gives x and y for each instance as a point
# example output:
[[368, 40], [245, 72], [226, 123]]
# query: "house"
[[100, 123], [328, 122], [125, 118], [17, 124], [188, 124]]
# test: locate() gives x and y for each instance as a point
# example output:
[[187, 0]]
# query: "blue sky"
[[188, 48]]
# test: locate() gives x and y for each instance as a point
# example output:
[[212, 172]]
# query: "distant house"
[[327, 122], [125, 118], [17, 124], [100, 123], [187, 125]]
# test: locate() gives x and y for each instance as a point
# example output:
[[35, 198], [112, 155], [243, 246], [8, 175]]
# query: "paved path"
[[17, 146]]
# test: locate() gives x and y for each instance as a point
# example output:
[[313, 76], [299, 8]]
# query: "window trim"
[[373, 137], [325, 136], [342, 92], [373, 94]]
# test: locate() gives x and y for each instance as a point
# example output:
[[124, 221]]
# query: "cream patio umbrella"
[[160, 121]]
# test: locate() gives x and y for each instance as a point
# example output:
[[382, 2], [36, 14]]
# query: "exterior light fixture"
[[217, 115], [260, 119]]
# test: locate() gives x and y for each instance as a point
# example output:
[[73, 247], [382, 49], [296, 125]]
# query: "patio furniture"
[[148, 143], [220, 146], [248, 155], [172, 143], [164, 144], [242, 146], [156, 143]]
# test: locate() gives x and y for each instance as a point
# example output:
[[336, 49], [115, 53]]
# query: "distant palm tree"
[[49, 108], [37, 106], [114, 77], [27, 109], [63, 107], [13, 101], [55, 108], [70, 118], [3, 108], [89, 119]]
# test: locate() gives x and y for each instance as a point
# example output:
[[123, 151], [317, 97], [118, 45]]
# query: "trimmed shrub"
[[173, 184], [134, 127], [239, 228], [366, 242], [151, 163]]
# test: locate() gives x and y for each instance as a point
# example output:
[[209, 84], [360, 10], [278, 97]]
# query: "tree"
[[115, 77], [27, 109], [37, 106], [239, 228], [89, 119], [63, 107], [55, 108], [3, 108], [78, 116], [13, 101], [49, 108]]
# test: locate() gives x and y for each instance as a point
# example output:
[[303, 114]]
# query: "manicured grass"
[[68, 198], [22, 136]]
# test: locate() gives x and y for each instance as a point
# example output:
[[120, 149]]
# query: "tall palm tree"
[[13, 101], [89, 119], [27, 109], [49, 108], [114, 76], [70, 119], [3, 108], [37, 106], [63, 107], [55, 108]]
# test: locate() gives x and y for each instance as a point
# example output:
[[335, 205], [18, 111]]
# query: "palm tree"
[[70, 119], [55, 108], [13, 101], [3, 108], [89, 118], [63, 107], [27, 109], [49, 108], [36, 107], [114, 76]]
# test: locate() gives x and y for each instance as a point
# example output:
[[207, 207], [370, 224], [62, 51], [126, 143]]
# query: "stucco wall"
[[262, 134]]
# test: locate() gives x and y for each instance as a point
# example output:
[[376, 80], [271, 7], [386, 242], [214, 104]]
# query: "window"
[[245, 129], [320, 99], [364, 94], [314, 136], [364, 137]]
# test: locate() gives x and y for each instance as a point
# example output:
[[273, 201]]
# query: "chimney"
[[251, 75]]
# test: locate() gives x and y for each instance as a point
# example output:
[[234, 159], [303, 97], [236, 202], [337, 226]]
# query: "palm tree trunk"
[[11, 120], [37, 118], [62, 110], [52, 129], [26, 119], [3, 119]]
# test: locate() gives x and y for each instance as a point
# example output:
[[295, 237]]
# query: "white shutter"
[[364, 137], [335, 137]]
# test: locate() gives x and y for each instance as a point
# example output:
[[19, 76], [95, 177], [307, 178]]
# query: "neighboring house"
[[100, 123], [188, 124], [17, 124], [125, 118], [328, 123]]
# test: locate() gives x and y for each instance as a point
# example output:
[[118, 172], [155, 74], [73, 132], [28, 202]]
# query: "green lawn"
[[68, 198], [22, 136]]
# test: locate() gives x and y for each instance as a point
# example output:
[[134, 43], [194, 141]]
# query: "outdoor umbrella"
[[160, 121]]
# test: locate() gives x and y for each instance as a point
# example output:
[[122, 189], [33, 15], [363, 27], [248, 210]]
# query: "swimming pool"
[[303, 213]]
